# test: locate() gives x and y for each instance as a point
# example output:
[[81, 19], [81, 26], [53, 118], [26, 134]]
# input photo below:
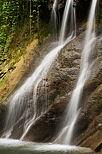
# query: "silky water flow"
[[21, 99], [72, 109], [54, 21]]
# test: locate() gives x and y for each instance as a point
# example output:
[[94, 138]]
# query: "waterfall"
[[68, 9], [22, 100], [73, 111], [54, 16]]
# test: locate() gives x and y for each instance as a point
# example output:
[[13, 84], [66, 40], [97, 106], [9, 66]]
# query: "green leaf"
[[34, 10], [31, 16], [1, 82]]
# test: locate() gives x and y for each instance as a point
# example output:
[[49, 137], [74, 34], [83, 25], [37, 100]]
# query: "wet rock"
[[45, 128], [60, 4], [94, 77], [89, 124], [92, 137], [53, 94], [61, 81], [18, 128], [59, 84], [88, 128], [3, 111]]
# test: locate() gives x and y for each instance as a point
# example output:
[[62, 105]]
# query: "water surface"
[[10, 146]]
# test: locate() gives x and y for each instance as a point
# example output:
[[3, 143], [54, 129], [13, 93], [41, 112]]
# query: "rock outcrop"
[[60, 82], [63, 76]]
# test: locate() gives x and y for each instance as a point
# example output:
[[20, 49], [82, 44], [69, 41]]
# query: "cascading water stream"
[[72, 114], [68, 6], [54, 16], [22, 97]]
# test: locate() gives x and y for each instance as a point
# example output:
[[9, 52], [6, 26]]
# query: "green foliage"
[[11, 66], [8, 21], [13, 15], [1, 82]]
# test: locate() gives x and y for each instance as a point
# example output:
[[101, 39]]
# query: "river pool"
[[11, 146]]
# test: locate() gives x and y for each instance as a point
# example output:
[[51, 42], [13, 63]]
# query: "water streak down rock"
[[25, 98], [60, 83], [73, 111]]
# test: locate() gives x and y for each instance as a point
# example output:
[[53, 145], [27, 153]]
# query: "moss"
[[11, 66], [18, 46], [1, 82]]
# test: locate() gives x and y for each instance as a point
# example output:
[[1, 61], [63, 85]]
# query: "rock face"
[[90, 119], [61, 80], [3, 111]]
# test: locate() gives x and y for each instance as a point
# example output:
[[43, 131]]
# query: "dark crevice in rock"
[[99, 148], [95, 128]]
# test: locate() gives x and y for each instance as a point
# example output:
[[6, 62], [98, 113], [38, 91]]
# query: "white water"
[[22, 97], [68, 6], [74, 21], [72, 114], [54, 16], [8, 146]]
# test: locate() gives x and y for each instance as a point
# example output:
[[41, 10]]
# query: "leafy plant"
[[1, 82], [11, 65]]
